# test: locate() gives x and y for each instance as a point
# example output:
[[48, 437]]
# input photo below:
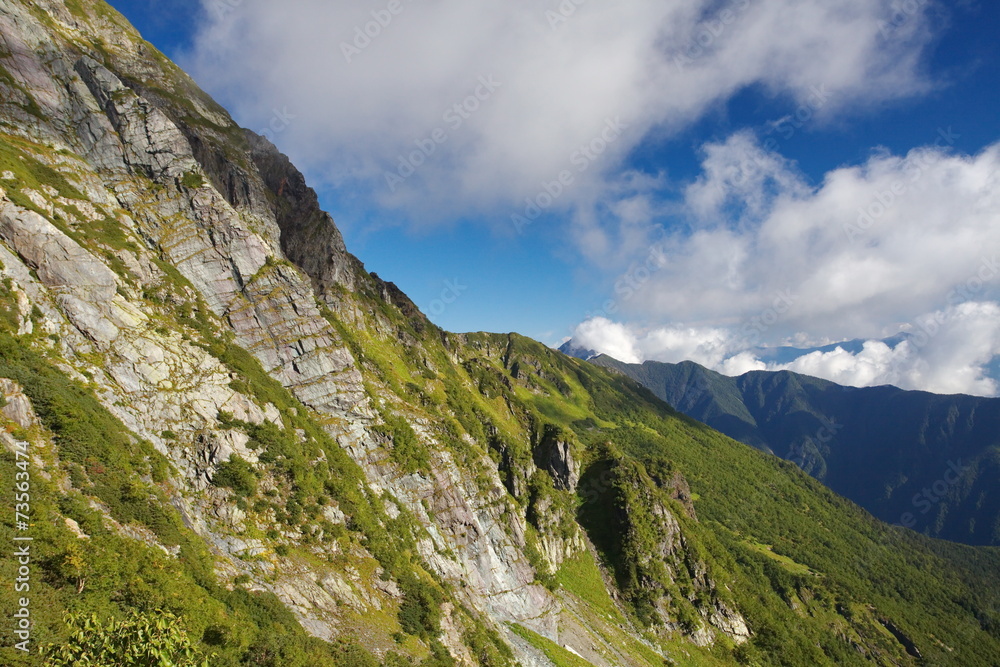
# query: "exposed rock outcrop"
[[555, 454], [158, 253], [245, 240]]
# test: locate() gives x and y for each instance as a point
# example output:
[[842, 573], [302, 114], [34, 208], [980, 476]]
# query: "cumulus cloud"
[[442, 110], [711, 347], [944, 352], [865, 251], [897, 244], [449, 109]]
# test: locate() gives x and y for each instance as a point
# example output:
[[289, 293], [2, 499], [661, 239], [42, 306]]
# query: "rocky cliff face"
[[160, 228], [224, 391], [137, 232]]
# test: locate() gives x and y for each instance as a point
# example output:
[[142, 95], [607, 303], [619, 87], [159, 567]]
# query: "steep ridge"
[[924, 461], [226, 417]]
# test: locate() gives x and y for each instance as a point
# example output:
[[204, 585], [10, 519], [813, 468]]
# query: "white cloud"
[[655, 65], [897, 244], [741, 363], [870, 248], [946, 355], [495, 100], [610, 338], [707, 346], [946, 351]]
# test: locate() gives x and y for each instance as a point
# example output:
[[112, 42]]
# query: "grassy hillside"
[[281, 514], [820, 579], [923, 461]]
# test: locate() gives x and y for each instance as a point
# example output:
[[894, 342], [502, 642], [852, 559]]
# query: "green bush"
[[407, 451], [237, 475], [420, 611], [193, 180], [155, 639]]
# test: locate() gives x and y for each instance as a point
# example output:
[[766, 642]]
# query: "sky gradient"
[[660, 180]]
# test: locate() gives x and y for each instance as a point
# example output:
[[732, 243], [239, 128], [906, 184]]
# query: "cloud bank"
[[899, 244], [946, 353], [448, 109], [439, 111], [871, 247]]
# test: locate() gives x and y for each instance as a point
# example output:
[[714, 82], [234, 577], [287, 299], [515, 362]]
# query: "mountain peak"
[[569, 348], [227, 423]]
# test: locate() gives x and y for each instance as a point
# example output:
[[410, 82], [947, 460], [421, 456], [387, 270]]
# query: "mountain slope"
[[221, 414], [925, 461]]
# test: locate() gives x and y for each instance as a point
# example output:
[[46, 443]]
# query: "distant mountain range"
[[229, 438], [787, 354], [925, 461], [784, 354]]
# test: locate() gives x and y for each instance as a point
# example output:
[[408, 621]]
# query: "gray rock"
[[18, 407], [151, 144], [555, 454]]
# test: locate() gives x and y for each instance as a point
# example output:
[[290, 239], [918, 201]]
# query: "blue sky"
[[738, 116]]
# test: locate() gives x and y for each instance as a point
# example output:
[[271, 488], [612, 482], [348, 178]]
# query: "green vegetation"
[[237, 475], [784, 561], [559, 656], [119, 579], [109, 460], [623, 523], [16, 156], [406, 450], [486, 645], [580, 576], [420, 612], [10, 316], [818, 581], [854, 440], [154, 640], [193, 180], [508, 389]]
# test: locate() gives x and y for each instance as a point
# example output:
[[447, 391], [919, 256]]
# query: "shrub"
[[156, 639], [420, 612], [407, 450], [193, 180], [237, 475]]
